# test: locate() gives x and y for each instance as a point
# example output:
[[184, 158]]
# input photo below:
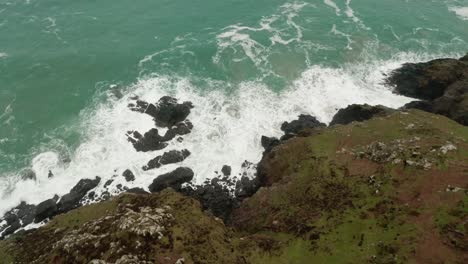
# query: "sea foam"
[[227, 127]]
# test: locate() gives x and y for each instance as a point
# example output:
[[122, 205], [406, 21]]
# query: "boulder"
[[173, 179], [139, 106], [169, 157], [226, 170], [303, 122], [179, 129], [20, 216], [167, 112], [128, 175], [72, 199], [427, 80], [28, 174], [46, 209], [359, 113]]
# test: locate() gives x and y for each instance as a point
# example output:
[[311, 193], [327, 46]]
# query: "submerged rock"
[[169, 157], [173, 179], [303, 122], [359, 113]]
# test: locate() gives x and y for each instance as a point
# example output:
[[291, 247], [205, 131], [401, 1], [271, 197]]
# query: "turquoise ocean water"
[[68, 69]]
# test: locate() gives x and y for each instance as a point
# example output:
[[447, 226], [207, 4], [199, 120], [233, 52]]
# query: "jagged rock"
[[72, 199], [46, 209], [442, 83], [173, 179], [108, 183], [246, 187], [169, 157], [427, 80], [179, 129], [303, 122], [150, 141], [128, 175], [268, 143], [167, 112], [226, 170], [359, 113], [20, 216], [140, 106]]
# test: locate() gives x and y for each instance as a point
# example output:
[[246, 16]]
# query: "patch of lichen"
[[95, 232]]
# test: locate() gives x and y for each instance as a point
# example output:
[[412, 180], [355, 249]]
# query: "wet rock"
[[359, 113], [173, 179], [128, 175], [139, 106], [226, 170], [46, 209], [20, 216], [303, 122], [169, 157], [108, 183], [179, 129], [427, 80], [150, 141], [268, 143], [167, 112], [72, 199]]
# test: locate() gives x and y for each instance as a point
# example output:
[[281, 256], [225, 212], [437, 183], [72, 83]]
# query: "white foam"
[[3, 55], [333, 5], [227, 127], [460, 11]]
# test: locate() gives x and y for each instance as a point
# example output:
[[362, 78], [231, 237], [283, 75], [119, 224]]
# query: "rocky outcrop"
[[173, 179], [128, 175], [442, 85], [72, 199], [303, 122], [169, 157], [359, 113]]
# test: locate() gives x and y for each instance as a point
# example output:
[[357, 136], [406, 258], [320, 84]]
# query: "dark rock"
[[72, 199], [168, 112], [427, 80], [169, 157], [137, 190], [268, 143], [179, 129], [214, 197], [20, 216], [359, 113], [454, 103], [172, 179], [421, 105], [50, 175], [108, 182], [140, 106], [465, 58], [128, 175], [149, 142], [246, 187], [303, 122], [226, 170], [46, 209]]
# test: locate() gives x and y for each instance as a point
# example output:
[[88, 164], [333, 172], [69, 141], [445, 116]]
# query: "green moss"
[[5, 255]]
